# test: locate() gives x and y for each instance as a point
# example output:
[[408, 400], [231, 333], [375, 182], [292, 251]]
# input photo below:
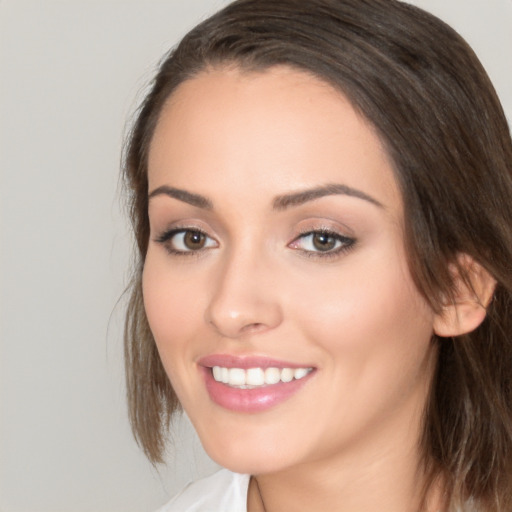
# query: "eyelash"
[[166, 239], [346, 243]]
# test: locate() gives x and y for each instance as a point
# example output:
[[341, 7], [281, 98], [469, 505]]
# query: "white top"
[[223, 491]]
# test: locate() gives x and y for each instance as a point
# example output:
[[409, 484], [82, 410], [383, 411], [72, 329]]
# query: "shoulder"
[[223, 491]]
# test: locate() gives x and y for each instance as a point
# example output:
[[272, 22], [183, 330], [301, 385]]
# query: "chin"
[[248, 464], [248, 454]]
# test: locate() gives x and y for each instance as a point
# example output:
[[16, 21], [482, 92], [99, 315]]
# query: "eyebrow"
[[281, 202], [297, 198], [182, 195]]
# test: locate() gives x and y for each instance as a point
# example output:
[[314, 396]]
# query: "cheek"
[[374, 330], [368, 310], [174, 315], [171, 306]]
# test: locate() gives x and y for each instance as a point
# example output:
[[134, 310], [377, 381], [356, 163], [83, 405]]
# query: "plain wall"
[[71, 73]]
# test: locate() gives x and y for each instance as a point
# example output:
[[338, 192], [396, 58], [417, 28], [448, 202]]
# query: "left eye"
[[321, 242]]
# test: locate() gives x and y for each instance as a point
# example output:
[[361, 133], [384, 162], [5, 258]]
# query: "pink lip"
[[245, 362], [249, 400]]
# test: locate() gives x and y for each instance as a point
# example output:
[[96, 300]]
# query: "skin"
[[259, 287]]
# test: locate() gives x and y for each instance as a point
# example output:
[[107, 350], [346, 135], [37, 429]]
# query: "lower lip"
[[251, 400]]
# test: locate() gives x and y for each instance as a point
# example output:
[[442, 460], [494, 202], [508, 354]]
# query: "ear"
[[473, 291]]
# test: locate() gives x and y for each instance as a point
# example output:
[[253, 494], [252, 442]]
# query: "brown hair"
[[436, 111]]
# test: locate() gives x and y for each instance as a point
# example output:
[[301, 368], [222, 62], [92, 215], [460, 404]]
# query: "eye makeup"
[[313, 243], [322, 243], [185, 241]]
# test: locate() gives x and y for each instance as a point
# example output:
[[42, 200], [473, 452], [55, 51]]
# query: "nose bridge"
[[243, 300]]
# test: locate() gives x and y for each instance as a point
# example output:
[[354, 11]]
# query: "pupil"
[[194, 240], [323, 242]]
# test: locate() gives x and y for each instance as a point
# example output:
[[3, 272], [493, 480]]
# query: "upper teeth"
[[257, 376]]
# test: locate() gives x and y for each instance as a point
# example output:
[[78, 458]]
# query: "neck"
[[379, 489]]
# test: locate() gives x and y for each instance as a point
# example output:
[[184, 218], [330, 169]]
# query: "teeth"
[[300, 372], [217, 373], [272, 375], [255, 377], [287, 374]]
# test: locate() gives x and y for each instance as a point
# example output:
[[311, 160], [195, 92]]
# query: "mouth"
[[253, 378], [252, 384]]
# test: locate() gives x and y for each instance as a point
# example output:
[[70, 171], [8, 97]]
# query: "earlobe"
[[473, 291]]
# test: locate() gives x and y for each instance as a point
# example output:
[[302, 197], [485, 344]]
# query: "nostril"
[[254, 327]]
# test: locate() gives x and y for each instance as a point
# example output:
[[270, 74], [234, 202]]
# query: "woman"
[[320, 197]]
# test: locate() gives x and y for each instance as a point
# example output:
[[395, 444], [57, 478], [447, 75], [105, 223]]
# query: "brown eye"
[[323, 241], [194, 240], [186, 241]]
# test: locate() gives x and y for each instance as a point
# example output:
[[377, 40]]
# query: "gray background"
[[71, 73]]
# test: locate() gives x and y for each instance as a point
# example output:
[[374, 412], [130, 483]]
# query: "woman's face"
[[276, 264]]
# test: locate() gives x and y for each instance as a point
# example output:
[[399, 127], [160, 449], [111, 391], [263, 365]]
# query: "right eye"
[[186, 241]]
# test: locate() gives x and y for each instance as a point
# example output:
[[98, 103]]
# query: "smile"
[[252, 378], [252, 384]]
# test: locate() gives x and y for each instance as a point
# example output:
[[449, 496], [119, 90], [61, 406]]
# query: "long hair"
[[427, 95]]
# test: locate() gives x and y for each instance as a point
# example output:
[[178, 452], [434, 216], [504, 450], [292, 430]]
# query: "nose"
[[245, 299]]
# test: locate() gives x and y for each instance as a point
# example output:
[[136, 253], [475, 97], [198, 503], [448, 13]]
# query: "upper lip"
[[246, 362]]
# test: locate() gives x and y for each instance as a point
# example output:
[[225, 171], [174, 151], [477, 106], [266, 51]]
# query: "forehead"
[[281, 127]]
